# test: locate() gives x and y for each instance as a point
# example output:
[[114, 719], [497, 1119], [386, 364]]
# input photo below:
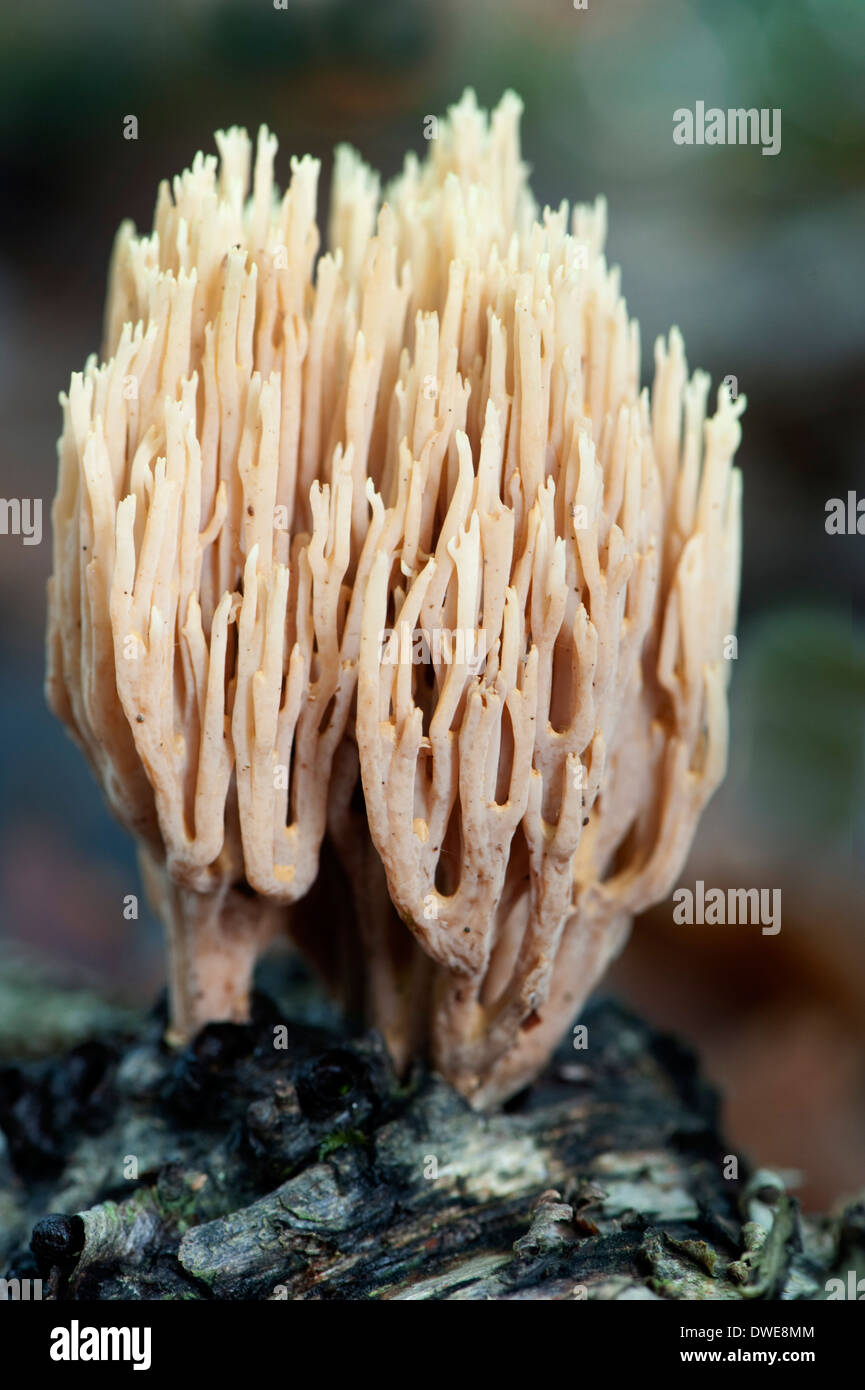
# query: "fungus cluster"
[[283, 460]]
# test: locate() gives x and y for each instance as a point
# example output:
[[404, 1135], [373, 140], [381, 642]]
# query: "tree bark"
[[277, 1160]]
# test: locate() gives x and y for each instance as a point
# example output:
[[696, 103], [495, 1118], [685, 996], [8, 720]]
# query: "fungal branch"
[[432, 432]]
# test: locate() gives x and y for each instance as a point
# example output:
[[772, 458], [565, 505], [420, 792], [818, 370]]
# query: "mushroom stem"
[[214, 940], [348, 931], [399, 974]]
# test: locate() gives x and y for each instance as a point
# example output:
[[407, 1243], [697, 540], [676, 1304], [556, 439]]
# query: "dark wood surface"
[[246, 1169]]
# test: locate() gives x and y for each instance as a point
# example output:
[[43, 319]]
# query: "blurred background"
[[758, 259]]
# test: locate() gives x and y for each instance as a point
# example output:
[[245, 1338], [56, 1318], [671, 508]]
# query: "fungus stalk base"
[[214, 940], [349, 933], [469, 1046]]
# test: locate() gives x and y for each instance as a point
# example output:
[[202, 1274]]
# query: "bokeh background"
[[758, 259]]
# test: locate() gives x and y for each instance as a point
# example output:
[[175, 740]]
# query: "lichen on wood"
[[236, 1169]]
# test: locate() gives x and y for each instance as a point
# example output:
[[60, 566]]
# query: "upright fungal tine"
[[289, 477]]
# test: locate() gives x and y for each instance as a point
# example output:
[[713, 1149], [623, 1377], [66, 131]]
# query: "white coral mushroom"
[[435, 429]]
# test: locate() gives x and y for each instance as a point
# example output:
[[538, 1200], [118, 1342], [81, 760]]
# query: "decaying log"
[[279, 1160]]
